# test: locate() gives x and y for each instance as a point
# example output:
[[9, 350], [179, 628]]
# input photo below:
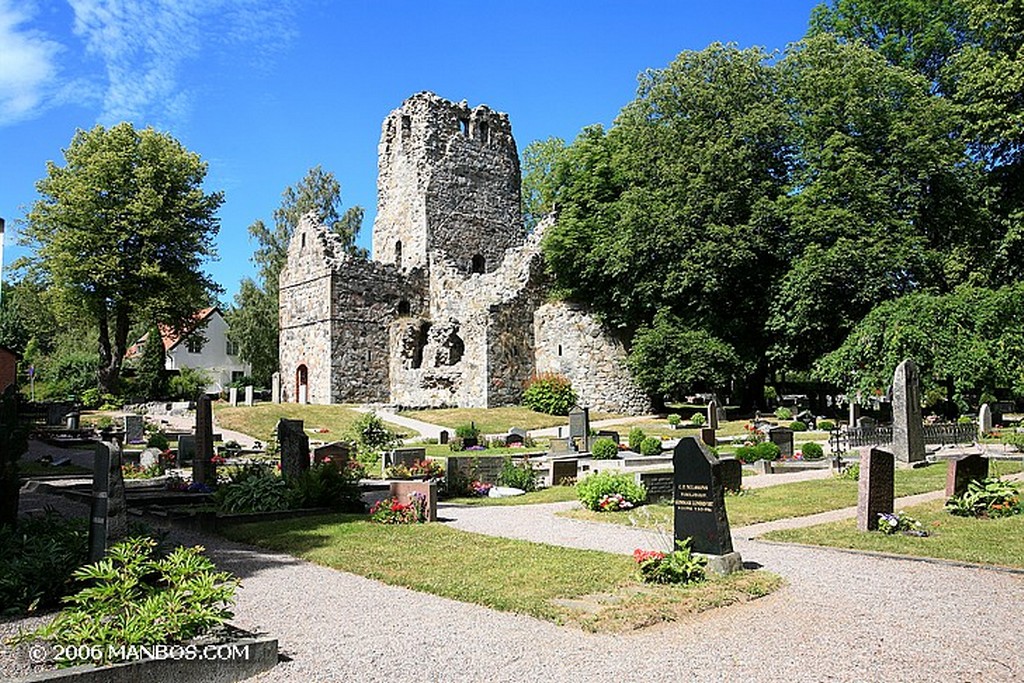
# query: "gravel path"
[[843, 617]]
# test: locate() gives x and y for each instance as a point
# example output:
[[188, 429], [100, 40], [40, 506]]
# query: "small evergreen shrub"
[[784, 413], [674, 420], [636, 437], [826, 425], [592, 488], [187, 384], [519, 476], [604, 448], [798, 426], [651, 445], [158, 440], [964, 420], [812, 451], [549, 393], [38, 559], [765, 450], [697, 419], [469, 431]]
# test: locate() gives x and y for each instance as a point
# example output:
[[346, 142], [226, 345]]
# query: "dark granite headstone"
[[336, 453], [186, 448], [556, 446], [874, 488], [562, 470], [732, 474], [698, 499], [579, 422], [108, 519], [134, 429], [443, 436], [707, 435], [404, 456], [783, 438], [961, 471], [514, 439], [203, 469], [294, 445], [614, 436]]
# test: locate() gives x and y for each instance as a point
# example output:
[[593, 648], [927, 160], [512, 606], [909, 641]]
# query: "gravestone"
[[203, 469], [402, 490], [783, 438], [559, 446], [108, 518], [732, 474], [482, 469], [443, 436], [149, 457], [712, 415], [562, 470], [134, 429], [854, 412], [233, 396], [186, 449], [874, 488], [907, 429], [984, 419], [707, 435], [1000, 408], [614, 436], [961, 471], [294, 445], [275, 387], [336, 453], [248, 395], [404, 456], [73, 420], [762, 466], [55, 413], [516, 437], [867, 422], [698, 500], [579, 423], [808, 418]]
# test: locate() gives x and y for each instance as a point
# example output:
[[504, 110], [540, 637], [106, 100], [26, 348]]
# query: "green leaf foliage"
[[591, 488], [549, 393]]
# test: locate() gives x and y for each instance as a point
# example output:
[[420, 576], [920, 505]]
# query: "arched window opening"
[[404, 308], [478, 264], [301, 384]]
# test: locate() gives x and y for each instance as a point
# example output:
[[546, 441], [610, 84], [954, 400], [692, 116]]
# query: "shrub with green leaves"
[[325, 486], [604, 448], [134, 597], [698, 419], [784, 413], [636, 437], [673, 419], [812, 451], [680, 566], [851, 472], [593, 487], [38, 559], [158, 440], [187, 384], [651, 445], [990, 497], [519, 476], [549, 393], [826, 425], [765, 450], [470, 431], [372, 436], [254, 491], [798, 426]]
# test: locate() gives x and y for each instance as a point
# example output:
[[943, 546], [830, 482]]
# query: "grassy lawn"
[[965, 539], [259, 421], [543, 581], [797, 499], [494, 420], [553, 494]]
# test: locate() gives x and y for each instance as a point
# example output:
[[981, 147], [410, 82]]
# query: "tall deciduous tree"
[[540, 185], [121, 233], [253, 319]]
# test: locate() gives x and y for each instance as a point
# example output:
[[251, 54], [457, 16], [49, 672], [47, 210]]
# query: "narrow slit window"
[[478, 264], [464, 126]]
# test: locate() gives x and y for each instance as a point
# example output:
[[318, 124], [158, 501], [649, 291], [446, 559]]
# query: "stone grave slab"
[[907, 427], [275, 387], [961, 471], [203, 469], [875, 487], [404, 456], [707, 436], [233, 396], [699, 500], [985, 421], [294, 444], [336, 453], [732, 474], [579, 422], [712, 415], [428, 489], [248, 395], [108, 518], [134, 429], [564, 469]]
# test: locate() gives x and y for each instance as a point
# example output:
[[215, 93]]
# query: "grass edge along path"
[[998, 542], [796, 499], [540, 580]]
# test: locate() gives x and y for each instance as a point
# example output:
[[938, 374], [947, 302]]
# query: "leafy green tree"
[[120, 235], [253, 320], [151, 373], [540, 186]]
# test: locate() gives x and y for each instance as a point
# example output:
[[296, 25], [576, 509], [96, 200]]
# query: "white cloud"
[[27, 68]]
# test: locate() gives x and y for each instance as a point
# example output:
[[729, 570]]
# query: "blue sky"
[[265, 89]]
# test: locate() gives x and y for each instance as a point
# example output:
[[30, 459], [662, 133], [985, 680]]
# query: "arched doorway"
[[301, 384]]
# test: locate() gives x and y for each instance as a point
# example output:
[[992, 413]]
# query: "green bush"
[[188, 383], [798, 426], [826, 425], [38, 559], [651, 445], [991, 497], [592, 487], [674, 420], [604, 448], [636, 437], [549, 393], [680, 566], [325, 486], [158, 440], [1014, 439], [697, 419], [132, 597], [964, 420], [519, 476], [812, 451], [253, 491], [765, 450], [851, 472], [372, 437], [470, 431], [784, 413]]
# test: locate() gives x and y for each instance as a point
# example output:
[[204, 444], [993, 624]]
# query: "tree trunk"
[[112, 349]]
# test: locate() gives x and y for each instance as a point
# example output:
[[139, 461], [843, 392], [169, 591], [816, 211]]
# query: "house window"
[[194, 344], [231, 347], [237, 376]]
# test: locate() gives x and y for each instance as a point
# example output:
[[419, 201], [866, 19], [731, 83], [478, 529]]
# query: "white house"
[[207, 349]]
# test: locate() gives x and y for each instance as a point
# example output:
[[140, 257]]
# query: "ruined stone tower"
[[448, 181], [451, 309]]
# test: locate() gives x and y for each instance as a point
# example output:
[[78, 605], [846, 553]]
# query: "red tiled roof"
[[168, 336]]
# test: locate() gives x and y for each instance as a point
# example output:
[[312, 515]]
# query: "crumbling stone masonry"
[[452, 310]]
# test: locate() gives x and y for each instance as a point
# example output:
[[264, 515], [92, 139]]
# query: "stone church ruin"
[[452, 309]]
